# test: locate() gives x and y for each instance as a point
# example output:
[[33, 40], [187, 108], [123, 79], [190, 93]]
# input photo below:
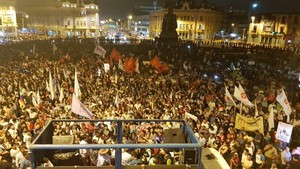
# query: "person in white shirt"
[[84, 152], [19, 157], [247, 163], [103, 157], [286, 157], [211, 140], [205, 124], [202, 140], [259, 159], [126, 157]]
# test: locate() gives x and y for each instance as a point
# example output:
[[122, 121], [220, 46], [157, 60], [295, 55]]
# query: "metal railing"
[[43, 142]]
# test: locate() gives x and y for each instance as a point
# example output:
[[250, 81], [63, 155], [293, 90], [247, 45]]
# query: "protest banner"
[[249, 123], [284, 132]]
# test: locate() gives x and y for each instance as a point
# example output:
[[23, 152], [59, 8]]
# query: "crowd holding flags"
[[129, 65], [163, 68], [51, 86], [282, 99], [228, 98], [100, 51], [79, 108], [77, 91], [239, 94], [114, 56]]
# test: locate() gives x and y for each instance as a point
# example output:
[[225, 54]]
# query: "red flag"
[[114, 55], [164, 68], [155, 62], [129, 65]]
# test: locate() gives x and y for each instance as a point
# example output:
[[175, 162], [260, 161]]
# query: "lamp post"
[[129, 22], [252, 28], [24, 16], [252, 6]]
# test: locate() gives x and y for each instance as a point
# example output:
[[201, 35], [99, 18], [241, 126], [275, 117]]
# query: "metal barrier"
[[42, 145]]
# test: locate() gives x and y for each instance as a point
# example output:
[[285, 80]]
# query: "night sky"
[[122, 8]]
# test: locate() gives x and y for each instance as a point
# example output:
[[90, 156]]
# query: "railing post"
[[32, 160], [199, 158], [118, 151]]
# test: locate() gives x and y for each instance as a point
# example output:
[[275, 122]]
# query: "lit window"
[[92, 7], [67, 5]]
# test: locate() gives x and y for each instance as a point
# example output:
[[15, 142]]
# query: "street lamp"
[[24, 16], [252, 27], [253, 6], [129, 22]]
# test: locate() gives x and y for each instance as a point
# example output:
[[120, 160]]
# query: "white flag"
[[47, 86], [271, 118], [282, 99], [76, 86], [137, 66], [244, 97], [228, 98], [116, 78], [120, 65], [61, 94], [106, 67], [38, 97], [100, 51], [117, 100], [51, 86], [79, 108], [190, 116], [34, 100], [237, 93]]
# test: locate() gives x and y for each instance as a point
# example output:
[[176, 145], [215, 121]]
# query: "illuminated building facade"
[[193, 23], [275, 30], [8, 21], [64, 18]]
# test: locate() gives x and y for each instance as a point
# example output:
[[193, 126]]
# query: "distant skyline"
[[122, 8]]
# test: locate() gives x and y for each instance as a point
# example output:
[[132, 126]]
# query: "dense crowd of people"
[[195, 84]]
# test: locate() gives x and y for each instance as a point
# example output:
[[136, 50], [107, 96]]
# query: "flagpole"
[[241, 108]]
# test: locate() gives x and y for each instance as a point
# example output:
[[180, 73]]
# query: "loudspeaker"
[[174, 136], [190, 156]]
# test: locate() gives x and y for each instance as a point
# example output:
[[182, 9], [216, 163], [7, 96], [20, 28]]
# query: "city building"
[[8, 21], [196, 23], [138, 20], [64, 18], [275, 30]]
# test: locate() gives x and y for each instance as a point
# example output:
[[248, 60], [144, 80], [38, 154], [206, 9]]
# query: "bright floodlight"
[[254, 5]]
